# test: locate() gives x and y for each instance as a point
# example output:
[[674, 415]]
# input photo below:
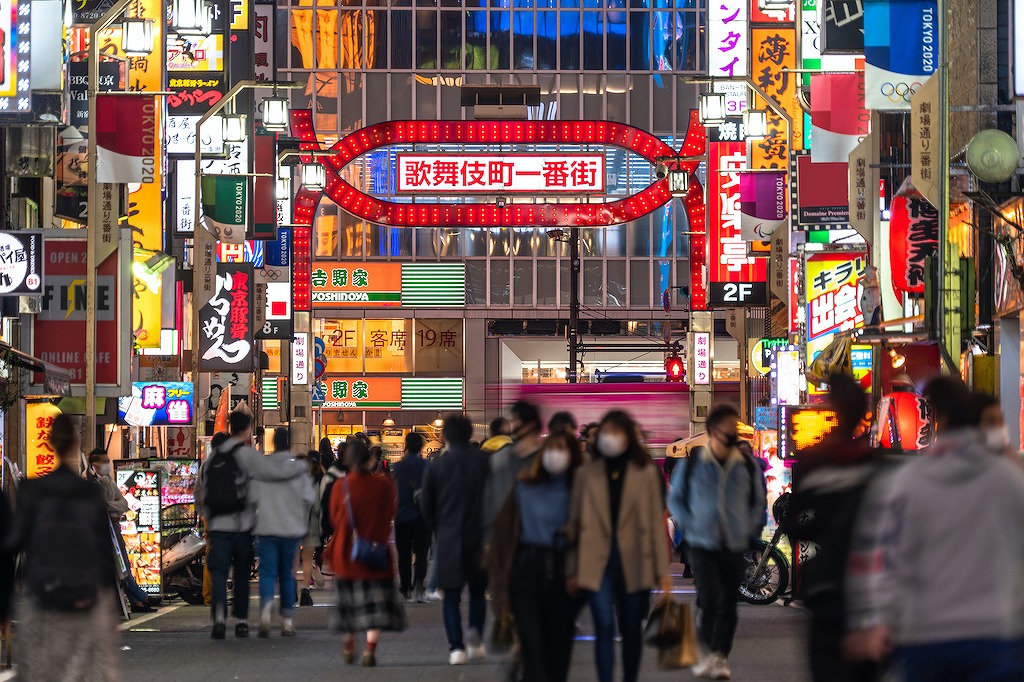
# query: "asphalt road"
[[174, 645]]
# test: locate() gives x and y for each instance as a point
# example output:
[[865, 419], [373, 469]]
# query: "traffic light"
[[673, 368]]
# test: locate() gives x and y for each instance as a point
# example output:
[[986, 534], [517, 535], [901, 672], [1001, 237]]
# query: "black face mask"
[[732, 440]]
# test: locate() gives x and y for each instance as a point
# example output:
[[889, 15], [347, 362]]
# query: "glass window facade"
[[365, 62]]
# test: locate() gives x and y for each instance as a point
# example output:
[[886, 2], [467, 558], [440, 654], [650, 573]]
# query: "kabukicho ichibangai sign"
[[569, 183]]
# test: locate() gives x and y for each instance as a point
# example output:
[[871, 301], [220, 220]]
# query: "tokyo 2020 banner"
[[901, 47]]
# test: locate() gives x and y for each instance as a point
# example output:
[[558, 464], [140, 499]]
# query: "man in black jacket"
[[412, 534], [452, 502]]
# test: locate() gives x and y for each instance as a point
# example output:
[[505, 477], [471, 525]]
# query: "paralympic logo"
[[899, 92]]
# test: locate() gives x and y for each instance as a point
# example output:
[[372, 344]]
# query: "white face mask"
[[103, 469], [612, 444], [556, 460], [997, 438]]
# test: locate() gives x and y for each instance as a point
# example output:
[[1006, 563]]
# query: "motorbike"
[[767, 570], [182, 564]]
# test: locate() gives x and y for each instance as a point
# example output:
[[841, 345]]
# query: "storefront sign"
[[761, 353], [806, 427], [833, 299], [913, 236], [40, 457], [140, 526], [263, 41], [362, 393], [821, 194], [383, 346], [157, 404], [374, 285], [763, 204], [728, 38], [842, 26], [21, 263], [226, 338], [774, 58], [839, 118], [787, 379], [496, 173], [249, 251], [58, 335], [300, 359], [864, 199], [180, 445], [901, 46], [702, 358], [16, 57], [925, 167]]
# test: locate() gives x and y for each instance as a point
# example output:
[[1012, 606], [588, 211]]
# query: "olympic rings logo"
[[900, 92]]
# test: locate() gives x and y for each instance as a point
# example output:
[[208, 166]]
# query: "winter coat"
[[282, 505], [408, 476], [372, 498]]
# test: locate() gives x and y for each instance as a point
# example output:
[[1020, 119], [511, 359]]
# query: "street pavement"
[[174, 644]]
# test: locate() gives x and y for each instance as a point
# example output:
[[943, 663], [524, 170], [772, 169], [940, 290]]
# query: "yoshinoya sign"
[[497, 173], [21, 263], [374, 285]]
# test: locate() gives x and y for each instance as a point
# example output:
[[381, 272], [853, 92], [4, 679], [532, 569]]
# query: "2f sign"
[[738, 294]]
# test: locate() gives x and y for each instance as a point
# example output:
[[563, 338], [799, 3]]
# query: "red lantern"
[[903, 422], [913, 236]]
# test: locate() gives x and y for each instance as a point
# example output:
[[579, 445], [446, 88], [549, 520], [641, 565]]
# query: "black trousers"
[[545, 614], [718, 575], [230, 551], [824, 642], [412, 539]]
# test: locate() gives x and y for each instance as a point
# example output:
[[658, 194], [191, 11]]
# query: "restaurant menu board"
[[140, 526], [178, 484]]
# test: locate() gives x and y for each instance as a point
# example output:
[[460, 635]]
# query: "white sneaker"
[[720, 670], [457, 657], [705, 665], [434, 595], [476, 653]]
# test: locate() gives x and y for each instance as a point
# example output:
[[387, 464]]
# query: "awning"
[[77, 406], [56, 380]]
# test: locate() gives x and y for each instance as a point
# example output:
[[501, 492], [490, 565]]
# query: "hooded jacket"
[[495, 443], [282, 505], [941, 558]]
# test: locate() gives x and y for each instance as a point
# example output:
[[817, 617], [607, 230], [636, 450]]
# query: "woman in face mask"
[[617, 548], [989, 417], [527, 561]]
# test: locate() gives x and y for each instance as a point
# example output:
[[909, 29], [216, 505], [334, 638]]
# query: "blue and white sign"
[[901, 48], [157, 403]]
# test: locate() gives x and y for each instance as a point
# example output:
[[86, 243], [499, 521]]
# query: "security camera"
[[501, 202], [661, 170]]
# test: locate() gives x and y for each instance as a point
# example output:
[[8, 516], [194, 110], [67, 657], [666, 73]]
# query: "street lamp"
[[234, 128], [755, 124], [275, 113], [313, 176], [711, 108], [192, 17], [136, 37], [679, 183]]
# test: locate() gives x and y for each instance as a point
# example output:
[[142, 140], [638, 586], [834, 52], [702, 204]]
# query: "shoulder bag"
[[373, 555]]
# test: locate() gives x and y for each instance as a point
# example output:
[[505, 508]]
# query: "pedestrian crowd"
[[909, 566]]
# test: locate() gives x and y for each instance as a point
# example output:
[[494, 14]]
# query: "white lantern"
[[137, 37], [711, 108], [275, 114], [755, 124], [284, 191], [234, 128], [678, 183], [189, 17], [314, 176]]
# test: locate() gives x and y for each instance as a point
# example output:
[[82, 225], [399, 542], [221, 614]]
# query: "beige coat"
[[641, 535]]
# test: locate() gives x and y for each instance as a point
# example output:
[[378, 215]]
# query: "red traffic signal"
[[673, 368]]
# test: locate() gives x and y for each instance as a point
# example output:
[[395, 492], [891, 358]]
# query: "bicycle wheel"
[[768, 585]]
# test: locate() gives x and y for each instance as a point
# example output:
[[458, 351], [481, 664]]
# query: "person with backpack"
[[412, 534], [282, 519], [225, 500], [311, 549], [512, 461], [69, 572], [718, 499]]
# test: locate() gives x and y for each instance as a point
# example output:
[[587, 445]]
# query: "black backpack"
[[225, 484], [62, 564]]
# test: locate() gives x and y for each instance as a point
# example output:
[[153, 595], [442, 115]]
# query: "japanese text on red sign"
[[495, 173]]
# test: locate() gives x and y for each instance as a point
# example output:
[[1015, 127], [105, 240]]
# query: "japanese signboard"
[[374, 285], [805, 427], [842, 26], [496, 173], [773, 58], [300, 360], [385, 346], [864, 179], [913, 236], [180, 445], [140, 526], [179, 474], [901, 47], [728, 33], [362, 393], [925, 169], [772, 12], [58, 335], [40, 457], [838, 117], [21, 263], [157, 404], [763, 204], [226, 330], [728, 264], [821, 193], [702, 358], [263, 41], [832, 295], [15, 57]]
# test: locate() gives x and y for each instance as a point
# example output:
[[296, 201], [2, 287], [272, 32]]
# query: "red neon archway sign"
[[433, 214]]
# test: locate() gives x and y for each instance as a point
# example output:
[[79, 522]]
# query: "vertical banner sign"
[[702, 358], [225, 206], [833, 300], [300, 360], [15, 57], [822, 196], [58, 331], [773, 58], [140, 527], [40, 459], [263, 41], [763, 200], [913, 236], [901, 47], [226, 333], [839, 118], [728, 31], [925, 170], [265, 188], [864, 189], [842, 26], [734, 278], [125, 138]]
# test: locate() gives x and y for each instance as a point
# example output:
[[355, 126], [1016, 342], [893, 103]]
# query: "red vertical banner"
[[265, 193], [302, 267]]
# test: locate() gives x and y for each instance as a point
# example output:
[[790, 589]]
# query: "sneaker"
[[406, 596], [219, 631], [420, 596], [305, 599], [476, 653], [369, 659], [433, 595], [704, 664], [288, 628], [457, 657], [720, 670], [242, 630], [318, 577]]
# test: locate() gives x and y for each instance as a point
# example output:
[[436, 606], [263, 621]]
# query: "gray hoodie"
[[939, 550], [282, 506], [254, 466]]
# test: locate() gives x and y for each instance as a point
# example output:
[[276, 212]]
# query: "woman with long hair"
[[527, 560], [363, 506], [618, 551]]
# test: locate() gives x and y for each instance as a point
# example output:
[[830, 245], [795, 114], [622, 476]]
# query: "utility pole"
[[574, 305]]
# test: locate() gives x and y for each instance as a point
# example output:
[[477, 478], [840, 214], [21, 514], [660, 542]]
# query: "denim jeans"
[[227, 551], [631, 608], [277, 563], [977, 660], [453, 613], [135, 593]]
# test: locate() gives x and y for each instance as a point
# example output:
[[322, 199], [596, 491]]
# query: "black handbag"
[[665, 626], [374, 555]]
